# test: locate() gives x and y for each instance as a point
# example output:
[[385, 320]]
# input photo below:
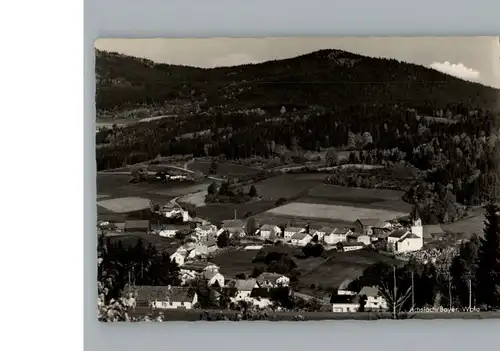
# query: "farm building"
[[374, 299], [213, 277], [136, 226], [262, 297], [291, 231], [344, 303], [323, 231], [163, 297], [235, 227], [205, 230], [351, 246], [169, 230], [300, 239], [244, 288], [366, 225], [268, 231], [337, 236], [272, 280]]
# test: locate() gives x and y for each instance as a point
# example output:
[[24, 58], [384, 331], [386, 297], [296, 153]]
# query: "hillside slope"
[[327, 78]]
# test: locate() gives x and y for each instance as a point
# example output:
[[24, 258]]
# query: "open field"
[[195, 315], [233, 262], [219, 212], [474, 223], [114, 185], [125, 204], [344, 213], [338, 267], [301, 221], [288, 185], [223, 168], [383, 199]]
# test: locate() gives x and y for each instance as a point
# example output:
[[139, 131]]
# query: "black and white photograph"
[[297, 179]]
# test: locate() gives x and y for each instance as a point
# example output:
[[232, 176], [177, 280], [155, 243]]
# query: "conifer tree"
[[488, 274]]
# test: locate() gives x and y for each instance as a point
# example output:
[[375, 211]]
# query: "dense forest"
[[395, 112]]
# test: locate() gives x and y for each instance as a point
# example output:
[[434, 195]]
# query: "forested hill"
[[325, 78]]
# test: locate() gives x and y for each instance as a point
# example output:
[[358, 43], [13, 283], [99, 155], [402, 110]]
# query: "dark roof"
[[267, 292], [243, 284], [410, 236], [415, 213], [344, 299], [299, 236], [398, 233], [146, 293], [369, 291], [326, 230], [294, 229], [341, 230], [137, 224], [268, 227], [233, 223]]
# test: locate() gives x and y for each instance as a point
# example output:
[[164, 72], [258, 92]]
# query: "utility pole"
[[412, 291], [234, 213], [394, 292]]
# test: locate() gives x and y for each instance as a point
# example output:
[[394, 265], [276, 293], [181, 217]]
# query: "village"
[[202, 240]]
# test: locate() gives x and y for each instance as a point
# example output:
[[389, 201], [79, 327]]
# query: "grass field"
[[337, 267], [233, 262], [219, 212], [474, 223], [117, 185], [288, 185], [343, 213], [223, 168]]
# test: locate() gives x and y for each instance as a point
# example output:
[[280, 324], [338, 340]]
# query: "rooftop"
[[146, 293], [371, 222], [326, 230], [294, 229], [398, 233], [197, 265], [268, 227], [341, 231], [345, 284], [267, 276], [300, 236], [233, 223], [369, 291], [137, 224], [244, 284]]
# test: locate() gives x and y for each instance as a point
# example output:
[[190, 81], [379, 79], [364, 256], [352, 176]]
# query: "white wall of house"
[[219, 278], [409, 244], [174, 304], [375, 302], [345, 307], [178, 258], [167, 233], [301, 242], [346, 292], [289, 234], [265, 234], [365, 239], [261, 302], [334, 238], [352, 248]]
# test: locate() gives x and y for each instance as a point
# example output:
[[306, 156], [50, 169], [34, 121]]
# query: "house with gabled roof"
[[300, 239], [338, 235], [365, 225], [269, 231], [344, 303], [374, 299], [272, 280], [163, 297], [291, 231]]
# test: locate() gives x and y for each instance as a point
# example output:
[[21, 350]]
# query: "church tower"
[[416, 223]]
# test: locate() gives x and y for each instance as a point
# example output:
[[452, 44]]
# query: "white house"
[[178, 257], [163, 297], [324, 231], [214, 277], [272, 280], [243, 288], [300, 239], [409, 243], [374, 300], [235, 227], [352, 246], [344, 303], [366, 225], [291, 231], [337, 236], [364, 239], [169, 231], [206, 230], [269, 231]]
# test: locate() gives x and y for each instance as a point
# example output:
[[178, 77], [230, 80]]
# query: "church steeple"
[[415, 216]]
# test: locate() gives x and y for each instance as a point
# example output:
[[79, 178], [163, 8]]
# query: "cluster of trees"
[[229, 194], [469, 279], [138, 264]]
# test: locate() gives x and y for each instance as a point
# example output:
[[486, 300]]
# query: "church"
[[408, 240]]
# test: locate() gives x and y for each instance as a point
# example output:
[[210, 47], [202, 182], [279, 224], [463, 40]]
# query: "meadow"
[[223, 168], [336, 212], [235, 261]]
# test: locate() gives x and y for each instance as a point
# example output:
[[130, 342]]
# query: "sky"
[[471, 58]]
